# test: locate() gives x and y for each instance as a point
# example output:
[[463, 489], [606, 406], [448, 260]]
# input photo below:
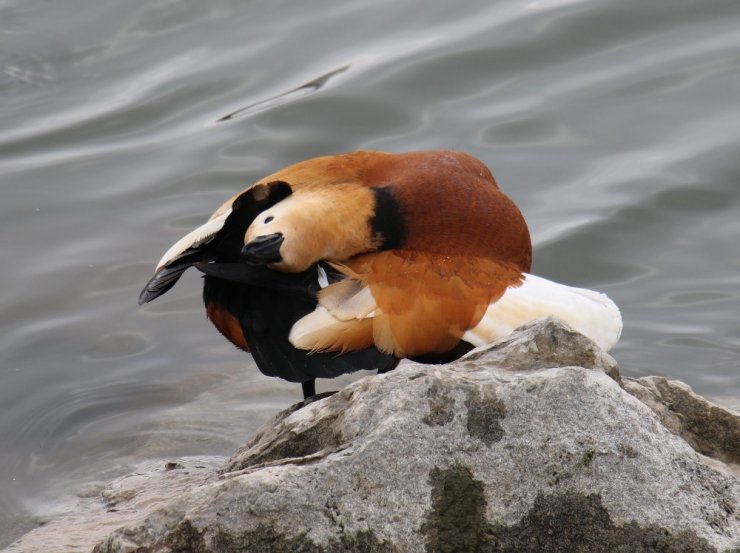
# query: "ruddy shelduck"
[[358, 260]]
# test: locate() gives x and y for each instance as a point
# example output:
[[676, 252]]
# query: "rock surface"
[[530, 445], [709, 429], [100, 509]]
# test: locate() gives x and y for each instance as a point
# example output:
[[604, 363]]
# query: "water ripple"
[[306, 88]]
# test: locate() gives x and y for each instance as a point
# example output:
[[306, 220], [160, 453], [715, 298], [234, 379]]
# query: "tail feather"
[[166, 277], [591, 313]]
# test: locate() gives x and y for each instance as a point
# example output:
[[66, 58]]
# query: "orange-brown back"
[[453, 206]]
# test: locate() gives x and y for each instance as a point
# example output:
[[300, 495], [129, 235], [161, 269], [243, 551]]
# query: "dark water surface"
[[614, 124]]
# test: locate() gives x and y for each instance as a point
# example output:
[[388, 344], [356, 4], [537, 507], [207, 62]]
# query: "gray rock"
[[465, 457], [97, 510], [543, 344], [710, 429]]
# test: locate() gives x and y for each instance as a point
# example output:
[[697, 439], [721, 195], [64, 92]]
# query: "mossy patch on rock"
[[485, 413], [323, 436], [457, 521], [579, 523], [570, 522], [441, 406]]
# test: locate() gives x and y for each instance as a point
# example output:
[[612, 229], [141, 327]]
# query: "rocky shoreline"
[[532, 444]]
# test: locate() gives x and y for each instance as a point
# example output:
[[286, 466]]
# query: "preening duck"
[[358, 260]]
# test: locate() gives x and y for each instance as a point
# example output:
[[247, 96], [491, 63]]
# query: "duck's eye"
[[268, 219]]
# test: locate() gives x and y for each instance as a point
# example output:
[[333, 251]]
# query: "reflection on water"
[[613, 125], [311, 86]]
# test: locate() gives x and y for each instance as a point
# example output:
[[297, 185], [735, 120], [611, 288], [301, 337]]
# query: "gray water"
[[614, 124]]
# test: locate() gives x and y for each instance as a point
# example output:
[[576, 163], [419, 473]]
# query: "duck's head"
[[331, 223]]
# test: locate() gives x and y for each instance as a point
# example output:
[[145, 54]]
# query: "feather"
[[591, 313], [194, 239]]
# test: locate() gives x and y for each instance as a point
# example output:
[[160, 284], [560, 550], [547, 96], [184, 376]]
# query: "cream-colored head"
[[331, 223]]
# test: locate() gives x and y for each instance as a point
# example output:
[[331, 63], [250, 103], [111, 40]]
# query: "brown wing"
[[424, 303]]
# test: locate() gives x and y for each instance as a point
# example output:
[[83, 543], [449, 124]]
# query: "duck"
[[359, 260]]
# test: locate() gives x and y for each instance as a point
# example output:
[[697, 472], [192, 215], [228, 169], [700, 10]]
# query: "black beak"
[[263, 250]]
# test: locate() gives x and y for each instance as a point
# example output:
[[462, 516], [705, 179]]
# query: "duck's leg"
[[309, 388]]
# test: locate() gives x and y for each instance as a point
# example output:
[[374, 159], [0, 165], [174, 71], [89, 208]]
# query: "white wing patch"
[[591, 313], [193, 239]]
